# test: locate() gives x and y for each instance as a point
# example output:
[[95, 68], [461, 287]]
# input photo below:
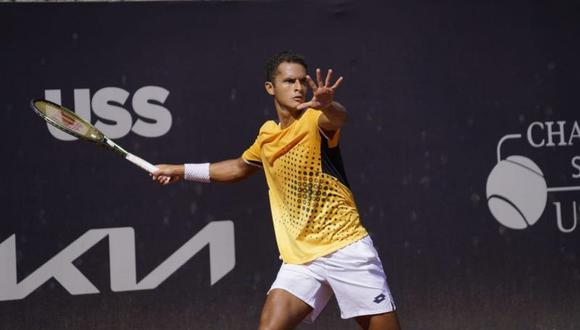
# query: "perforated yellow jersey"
[[313, 209]]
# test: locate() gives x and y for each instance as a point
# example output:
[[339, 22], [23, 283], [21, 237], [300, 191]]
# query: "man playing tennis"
[[324, 247]]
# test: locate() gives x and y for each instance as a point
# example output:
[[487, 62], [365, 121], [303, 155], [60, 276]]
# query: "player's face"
[[289, 87]]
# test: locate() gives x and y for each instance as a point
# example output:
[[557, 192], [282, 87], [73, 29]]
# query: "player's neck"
[[287, 116]]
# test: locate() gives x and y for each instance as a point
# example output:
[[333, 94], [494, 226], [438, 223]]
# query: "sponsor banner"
[[517, 189]]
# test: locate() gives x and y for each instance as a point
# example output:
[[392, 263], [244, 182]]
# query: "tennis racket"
[[68, 121]]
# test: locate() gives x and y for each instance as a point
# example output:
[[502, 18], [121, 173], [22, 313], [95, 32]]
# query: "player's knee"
[[385, 321], [275, 318], [268, 323], [267, 327]]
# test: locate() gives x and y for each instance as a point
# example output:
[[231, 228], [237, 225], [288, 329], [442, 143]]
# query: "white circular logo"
[[517, 192]]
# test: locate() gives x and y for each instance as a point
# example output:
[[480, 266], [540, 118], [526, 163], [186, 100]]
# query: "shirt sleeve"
[[253, 155]]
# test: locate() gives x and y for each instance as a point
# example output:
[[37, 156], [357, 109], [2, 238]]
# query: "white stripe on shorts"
[[354, 274]]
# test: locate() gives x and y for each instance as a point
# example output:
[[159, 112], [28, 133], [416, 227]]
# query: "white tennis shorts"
[[354, 274]]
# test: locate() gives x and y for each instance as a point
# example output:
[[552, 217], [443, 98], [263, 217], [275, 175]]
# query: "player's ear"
[[269, 87]]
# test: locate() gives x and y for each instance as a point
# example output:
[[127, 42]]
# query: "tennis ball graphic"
[[517, 192]]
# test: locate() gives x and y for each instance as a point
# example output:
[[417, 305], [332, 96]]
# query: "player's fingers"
[[311, 83], [159, 171], [328, 77], [303, 106], [337, 83], [318, 77]]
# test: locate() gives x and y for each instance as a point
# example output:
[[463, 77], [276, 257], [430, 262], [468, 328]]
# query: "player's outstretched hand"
[[168, 173], [322, 91]]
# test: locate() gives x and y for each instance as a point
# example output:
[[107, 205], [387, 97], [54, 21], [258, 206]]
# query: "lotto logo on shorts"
[[379, 298]]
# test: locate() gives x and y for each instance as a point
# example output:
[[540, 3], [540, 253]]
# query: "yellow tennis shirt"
[[313, 209]]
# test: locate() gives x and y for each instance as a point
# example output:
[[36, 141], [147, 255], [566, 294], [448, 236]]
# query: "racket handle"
[[141, 163]]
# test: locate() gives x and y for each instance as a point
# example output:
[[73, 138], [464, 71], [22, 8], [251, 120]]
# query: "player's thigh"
[[385, 321], [282, 310], [358, 280]]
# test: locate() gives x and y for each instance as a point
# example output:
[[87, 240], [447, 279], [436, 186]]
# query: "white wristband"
[[197, 172]]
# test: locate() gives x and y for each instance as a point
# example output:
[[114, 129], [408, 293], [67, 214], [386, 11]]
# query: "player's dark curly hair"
[[281, 57]]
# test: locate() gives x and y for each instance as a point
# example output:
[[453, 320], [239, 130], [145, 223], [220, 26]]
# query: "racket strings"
[[67, 120]]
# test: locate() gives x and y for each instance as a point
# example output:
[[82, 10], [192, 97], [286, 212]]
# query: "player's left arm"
[[333, 115]]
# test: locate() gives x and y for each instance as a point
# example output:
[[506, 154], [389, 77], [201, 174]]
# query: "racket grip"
[[141, 163]]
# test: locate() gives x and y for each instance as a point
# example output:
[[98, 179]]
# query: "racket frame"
[[99, 138]]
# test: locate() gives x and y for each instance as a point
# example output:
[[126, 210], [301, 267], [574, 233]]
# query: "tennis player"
[[324, 247]]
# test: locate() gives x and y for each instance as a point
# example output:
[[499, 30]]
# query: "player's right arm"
[[232, 170]]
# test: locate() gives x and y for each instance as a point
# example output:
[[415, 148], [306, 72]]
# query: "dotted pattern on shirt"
[[310, 196]]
